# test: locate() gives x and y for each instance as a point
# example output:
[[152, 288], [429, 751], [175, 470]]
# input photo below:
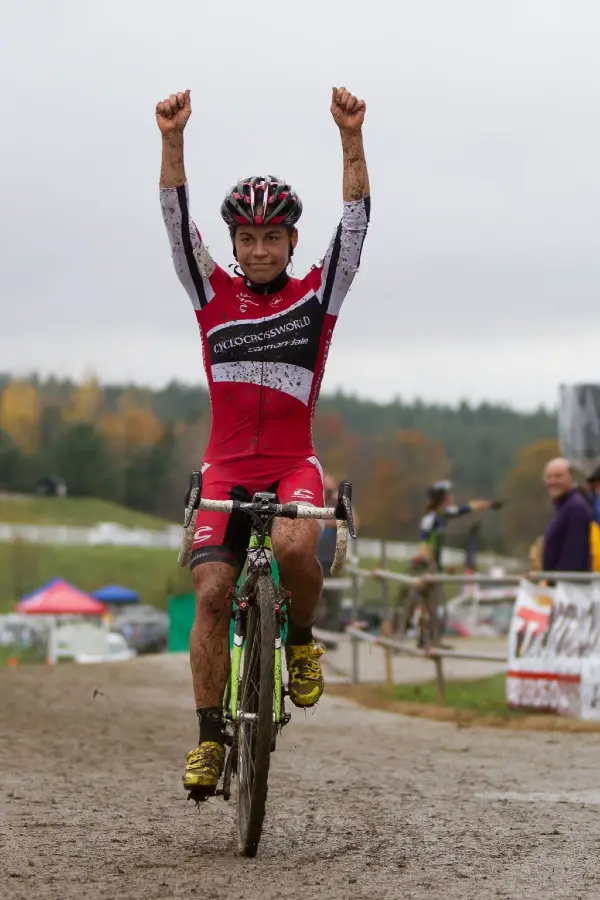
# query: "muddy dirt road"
[[363, 804]]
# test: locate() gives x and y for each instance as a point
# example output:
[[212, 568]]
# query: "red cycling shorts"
[[220, 537]]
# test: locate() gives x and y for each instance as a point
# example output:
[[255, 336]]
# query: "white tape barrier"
[[117, 535]]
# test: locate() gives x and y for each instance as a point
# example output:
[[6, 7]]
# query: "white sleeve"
[[193, 263], [342, 259]]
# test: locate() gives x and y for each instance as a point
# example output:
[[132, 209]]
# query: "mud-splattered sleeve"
[[195, 267], [340, 264]]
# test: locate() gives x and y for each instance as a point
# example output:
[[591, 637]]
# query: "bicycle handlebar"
[[281, 510]]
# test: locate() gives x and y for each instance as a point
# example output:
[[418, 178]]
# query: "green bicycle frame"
[[237, 638]]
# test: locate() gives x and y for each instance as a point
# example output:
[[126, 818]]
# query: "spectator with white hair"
[[567, 535]]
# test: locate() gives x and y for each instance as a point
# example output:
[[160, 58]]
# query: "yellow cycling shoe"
[[305, 678], [203, 768]]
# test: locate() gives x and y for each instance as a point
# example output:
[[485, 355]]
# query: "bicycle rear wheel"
[[256, 722]]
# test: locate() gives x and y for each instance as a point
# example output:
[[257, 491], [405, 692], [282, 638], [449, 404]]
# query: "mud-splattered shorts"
[[220, 537]]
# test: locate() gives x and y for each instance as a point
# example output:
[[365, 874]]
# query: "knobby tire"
[[256, 696]]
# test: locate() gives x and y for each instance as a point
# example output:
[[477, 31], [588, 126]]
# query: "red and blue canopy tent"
[[59, 598]]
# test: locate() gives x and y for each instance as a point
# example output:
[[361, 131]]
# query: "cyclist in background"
[[440, 510]]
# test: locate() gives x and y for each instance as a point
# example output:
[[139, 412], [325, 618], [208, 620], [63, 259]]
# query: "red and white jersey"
[[264, 354]]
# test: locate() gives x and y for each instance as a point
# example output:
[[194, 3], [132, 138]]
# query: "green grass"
[[25, 509], [23, 655], [484, 696], [154, 573]]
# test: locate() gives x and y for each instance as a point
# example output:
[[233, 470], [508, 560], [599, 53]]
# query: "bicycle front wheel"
[[256, 716]]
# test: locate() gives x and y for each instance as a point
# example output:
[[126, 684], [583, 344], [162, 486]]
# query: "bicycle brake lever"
[[343, 509], [192, 497]]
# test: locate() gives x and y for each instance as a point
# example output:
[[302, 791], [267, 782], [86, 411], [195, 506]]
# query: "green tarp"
[[181, 618], [181, 610]]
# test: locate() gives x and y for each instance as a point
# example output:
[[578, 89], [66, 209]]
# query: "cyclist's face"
[[263, 251]]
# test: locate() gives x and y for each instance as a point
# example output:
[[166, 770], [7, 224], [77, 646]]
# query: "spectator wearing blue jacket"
[[567, 535]]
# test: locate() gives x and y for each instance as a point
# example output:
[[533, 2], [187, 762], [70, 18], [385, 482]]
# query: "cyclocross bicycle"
[[254, 704], [428, 600]]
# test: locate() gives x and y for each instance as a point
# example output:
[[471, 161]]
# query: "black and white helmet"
[[261, 200], [438, 490]]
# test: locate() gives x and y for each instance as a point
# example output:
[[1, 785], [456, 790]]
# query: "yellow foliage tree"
[[132, 426], [142, 428], [85, 404], [135, 398], [112, 426], [19, 414]]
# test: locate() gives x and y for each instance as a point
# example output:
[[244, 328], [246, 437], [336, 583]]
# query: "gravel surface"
[[363, 804]]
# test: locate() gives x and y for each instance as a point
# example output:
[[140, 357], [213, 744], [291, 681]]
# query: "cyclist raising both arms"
[[265, 338]]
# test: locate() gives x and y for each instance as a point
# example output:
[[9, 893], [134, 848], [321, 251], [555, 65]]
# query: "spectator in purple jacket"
[[567, 536]]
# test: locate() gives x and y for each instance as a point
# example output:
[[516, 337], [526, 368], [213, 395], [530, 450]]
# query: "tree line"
[[137, 446]]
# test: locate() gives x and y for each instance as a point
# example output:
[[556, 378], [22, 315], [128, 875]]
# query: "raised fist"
[[347, 110], [173, 113]]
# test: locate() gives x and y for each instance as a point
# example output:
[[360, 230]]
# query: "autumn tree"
[[132, 426], [528, 509], [336, 446], [141, 427], [19, 411], [399, 469], [85, 403]]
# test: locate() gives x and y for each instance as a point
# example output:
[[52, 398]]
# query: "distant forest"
[[137, 445]]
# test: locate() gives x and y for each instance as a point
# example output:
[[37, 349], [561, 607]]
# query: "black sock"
[[211, 724], [298, 635]]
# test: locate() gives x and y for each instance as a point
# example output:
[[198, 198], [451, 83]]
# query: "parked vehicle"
[[144, 628]]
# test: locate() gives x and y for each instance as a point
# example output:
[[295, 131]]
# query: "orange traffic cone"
[[12, 661]]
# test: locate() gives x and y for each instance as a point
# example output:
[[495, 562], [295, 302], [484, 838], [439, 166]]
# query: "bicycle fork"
[[230, 711]]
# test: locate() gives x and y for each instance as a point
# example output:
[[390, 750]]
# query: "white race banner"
[[554, 650]]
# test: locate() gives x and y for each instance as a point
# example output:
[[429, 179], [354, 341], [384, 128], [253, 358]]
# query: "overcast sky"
[[481, 272]]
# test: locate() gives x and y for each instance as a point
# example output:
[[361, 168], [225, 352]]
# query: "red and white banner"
[[554, 650]]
